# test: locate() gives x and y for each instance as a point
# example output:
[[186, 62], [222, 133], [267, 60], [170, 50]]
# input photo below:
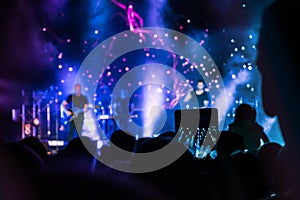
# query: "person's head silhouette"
[[245, 112]]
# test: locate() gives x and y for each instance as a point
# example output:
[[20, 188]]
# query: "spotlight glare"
[[60, 55], [36, 122], [27, 129], [159, 90]]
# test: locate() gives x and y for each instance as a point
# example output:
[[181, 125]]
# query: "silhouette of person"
[[278, 62], [246, 125], [229, 143]]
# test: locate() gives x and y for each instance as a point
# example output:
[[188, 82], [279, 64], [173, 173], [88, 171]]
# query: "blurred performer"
[[75, 105], [201, 94]]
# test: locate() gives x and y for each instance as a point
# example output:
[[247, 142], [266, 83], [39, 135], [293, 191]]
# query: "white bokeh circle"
[[158, 38]]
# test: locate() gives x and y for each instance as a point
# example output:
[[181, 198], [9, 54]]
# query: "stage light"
[[16, 115], [213, 154], [99, 144], [60, 55], [53, 143], [36, 122], [27, 129], [159, 90]]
